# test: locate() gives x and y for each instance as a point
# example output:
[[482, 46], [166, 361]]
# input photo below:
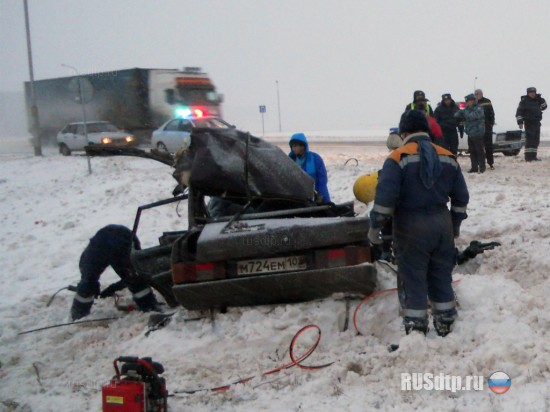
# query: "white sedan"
[[73, 137], [177, 132]]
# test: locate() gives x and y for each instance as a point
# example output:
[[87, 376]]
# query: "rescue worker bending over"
[[110, 246], [414, 186]]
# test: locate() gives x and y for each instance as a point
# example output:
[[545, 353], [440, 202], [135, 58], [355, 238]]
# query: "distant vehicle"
[[137, 100], [508, 143], [72, 137], [177, 132]]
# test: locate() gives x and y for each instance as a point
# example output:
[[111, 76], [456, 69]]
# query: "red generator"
[[136, 387]]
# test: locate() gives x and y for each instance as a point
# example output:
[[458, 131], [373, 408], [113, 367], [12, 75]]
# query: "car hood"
[[231, 163]]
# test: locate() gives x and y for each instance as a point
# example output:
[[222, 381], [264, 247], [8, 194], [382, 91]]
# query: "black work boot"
[[146, 300], [81, 306], [443, 321], [443, 327], [418, 324]]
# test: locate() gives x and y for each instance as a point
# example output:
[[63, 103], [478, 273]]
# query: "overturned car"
[[255, 234]]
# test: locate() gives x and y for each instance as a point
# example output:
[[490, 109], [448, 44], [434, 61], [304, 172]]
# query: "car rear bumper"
[[507, 146], [278, 288]]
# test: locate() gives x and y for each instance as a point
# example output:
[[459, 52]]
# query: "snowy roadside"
[[50, 207]]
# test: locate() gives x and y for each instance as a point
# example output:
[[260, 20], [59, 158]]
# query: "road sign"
[[262, 109]]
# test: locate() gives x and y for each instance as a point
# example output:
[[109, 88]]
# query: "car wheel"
[[161, 147], [512, 153], [64, 149]]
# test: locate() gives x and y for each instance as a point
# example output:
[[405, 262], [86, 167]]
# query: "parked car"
[[72, 137], [508, 143], [177, 132]]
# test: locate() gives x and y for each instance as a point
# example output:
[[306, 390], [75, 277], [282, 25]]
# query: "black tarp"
[[236, 164]]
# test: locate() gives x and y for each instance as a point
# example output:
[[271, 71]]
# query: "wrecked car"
[[270, 241]]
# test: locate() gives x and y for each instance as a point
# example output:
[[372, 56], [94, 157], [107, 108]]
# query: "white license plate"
[[270, 265]]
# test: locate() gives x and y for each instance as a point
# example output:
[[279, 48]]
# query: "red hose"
[[294, 362]]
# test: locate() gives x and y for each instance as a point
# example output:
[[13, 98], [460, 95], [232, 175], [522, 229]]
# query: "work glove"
[[178, 190], [112, 289], [475, 248], [374, 236]]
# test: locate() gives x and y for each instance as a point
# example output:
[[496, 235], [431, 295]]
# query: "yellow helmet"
[[364, 187]]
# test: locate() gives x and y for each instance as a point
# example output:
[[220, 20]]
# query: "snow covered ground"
[[50, 207]]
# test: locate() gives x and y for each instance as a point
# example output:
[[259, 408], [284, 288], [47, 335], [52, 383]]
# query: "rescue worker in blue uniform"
[[414, 186], [311, 163], [110, 246]]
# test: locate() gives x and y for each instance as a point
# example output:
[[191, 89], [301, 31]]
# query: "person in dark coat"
[[529, 113], [489, 113], [419, 96], [310, 162], [444, 114], [474, 121], [110, 246], [416, 183]]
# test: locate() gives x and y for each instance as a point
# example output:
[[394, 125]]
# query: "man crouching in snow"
[[110, 246], [414, 186]]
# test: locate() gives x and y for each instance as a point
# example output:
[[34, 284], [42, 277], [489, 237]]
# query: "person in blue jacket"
[[310, 162], [414, 186]]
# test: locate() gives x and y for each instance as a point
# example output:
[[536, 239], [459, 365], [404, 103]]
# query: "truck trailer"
[[136, 100]]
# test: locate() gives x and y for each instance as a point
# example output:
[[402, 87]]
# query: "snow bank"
[[50, 207]]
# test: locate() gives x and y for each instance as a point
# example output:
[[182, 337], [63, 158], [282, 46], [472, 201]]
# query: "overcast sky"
[[340, 64]]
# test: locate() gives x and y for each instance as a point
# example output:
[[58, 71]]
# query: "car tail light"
[[461, 105], [129, 139], [346, 256], [106, 140], [185, 272]]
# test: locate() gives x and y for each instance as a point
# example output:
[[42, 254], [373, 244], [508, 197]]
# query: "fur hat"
[[470, 97], [446, 96], [531, 89], [413, 121]]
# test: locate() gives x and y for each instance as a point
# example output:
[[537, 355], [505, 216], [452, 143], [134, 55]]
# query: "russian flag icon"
[[499, 382]]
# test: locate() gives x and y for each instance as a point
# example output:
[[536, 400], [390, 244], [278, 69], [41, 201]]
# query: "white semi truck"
[[136, 100]]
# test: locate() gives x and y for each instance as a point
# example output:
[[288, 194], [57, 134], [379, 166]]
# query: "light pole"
[[475, 81], [278, 104], [81, 97], [34, 109]]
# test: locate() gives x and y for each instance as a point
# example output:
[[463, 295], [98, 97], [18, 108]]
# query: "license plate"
[[271, 265]]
